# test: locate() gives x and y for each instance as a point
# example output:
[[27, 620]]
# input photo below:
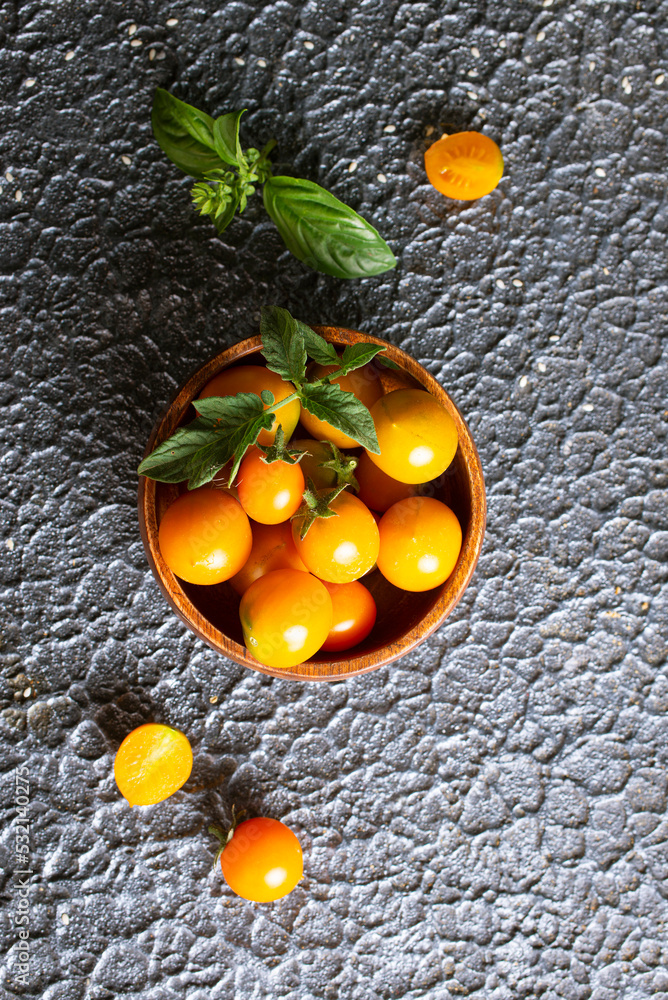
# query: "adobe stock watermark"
[[20, 915]]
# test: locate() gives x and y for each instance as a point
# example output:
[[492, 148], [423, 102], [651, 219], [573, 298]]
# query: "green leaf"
[[323, 232], [230, 410], [283, 344], [225, 213], [242, 417], [226, 139], [171, 461], [357, 355], [226, 426], [387, 363], [184, 134], [342, 410], [318, 348], [244, 436]]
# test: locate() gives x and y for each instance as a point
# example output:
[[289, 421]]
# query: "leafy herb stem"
[[316, 227]]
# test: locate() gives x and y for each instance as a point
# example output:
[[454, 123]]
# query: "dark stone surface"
[[487, 817]]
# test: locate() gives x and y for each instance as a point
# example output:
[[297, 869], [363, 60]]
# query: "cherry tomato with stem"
[[286, 616], [261, 859], [269, 492], [321, 461], [204, 536], [420, 542], [341, 548], [465, 165]]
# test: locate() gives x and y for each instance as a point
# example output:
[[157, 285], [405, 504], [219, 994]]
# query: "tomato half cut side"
[[466, 165]]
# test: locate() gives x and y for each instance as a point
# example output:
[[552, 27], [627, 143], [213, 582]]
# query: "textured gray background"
[[487, 817]]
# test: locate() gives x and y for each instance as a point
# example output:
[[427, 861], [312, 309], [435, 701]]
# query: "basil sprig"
[[226, 426], [316, 227]]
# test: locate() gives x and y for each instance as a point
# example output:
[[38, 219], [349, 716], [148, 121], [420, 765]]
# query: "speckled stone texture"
[[485, 818]]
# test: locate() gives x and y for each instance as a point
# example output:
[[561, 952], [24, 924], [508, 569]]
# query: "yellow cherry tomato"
[[262, 861], [420, 542], [285, 616], [273, 548], [205, 536], [269, 492], [152, 763], [378, 490], [466, 165], [342, 548], [363, 383], [417, 436], [354, 615], [255, 378]]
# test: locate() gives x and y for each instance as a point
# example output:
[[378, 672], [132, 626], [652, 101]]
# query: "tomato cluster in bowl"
[[404, 618], [296, 548]]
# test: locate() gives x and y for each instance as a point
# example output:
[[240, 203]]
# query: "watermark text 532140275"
[[20, 971]]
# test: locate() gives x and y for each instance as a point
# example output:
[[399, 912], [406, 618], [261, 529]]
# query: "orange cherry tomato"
[[254, 378], [273, 548], [269, 492], [420, 541], [343, 548], [378, 490], [466, 165], [286, 616], [417, 436], [363, 383], [152, 763], [317, 452], [263, 860], [354, 615], [205, 536]]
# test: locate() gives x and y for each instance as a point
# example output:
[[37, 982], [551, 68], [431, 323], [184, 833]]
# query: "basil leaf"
[[342, 410], [283, 344], [357, 355], [226, 139], [184, 134], [323, 232], [318, 348]]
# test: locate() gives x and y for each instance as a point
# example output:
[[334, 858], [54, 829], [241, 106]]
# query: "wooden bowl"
[[404, 619]]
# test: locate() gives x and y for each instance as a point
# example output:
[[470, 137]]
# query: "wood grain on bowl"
[[404, 619]]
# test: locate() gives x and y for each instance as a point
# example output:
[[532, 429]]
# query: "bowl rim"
[[313, 670]]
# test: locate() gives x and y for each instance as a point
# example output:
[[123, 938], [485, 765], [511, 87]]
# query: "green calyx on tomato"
[[278, 452], [316, 227], [261, 859], [225, 836], [226, 426], [316, 505], [341, 466]]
